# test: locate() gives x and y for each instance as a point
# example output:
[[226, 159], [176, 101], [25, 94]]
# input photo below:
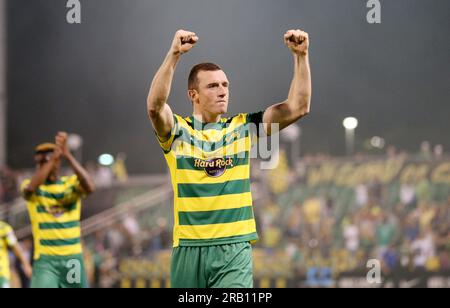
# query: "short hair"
[[193, 75], [44, 148]]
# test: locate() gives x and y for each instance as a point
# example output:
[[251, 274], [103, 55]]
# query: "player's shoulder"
[[239, 118], [182, 121], [65, 178], [25, 182], [179, 118], [231, 121], [68, 179], [4, 228]]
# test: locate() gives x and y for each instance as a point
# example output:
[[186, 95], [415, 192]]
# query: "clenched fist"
[[297, 41], [61, 142], [183, 41]]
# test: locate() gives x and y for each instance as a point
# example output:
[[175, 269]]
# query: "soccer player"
[[208, 158], [54, 206], [9, 241]]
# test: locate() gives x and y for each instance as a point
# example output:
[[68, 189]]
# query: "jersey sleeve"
[[23, 192], [75, 190], [256, 119], [255, 124], [166, 145], [10, 237]]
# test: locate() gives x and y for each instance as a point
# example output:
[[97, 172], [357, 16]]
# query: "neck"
[[52, 178], [206, 117]]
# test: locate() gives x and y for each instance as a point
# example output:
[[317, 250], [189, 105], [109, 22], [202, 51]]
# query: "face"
[[42, 158], [212, 93]]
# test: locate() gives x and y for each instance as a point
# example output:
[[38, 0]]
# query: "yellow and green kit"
[[7, 241], [55, 210], [210, 171]]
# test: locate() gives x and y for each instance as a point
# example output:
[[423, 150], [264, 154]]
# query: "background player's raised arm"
[[86, 181], [298, 101], [158, 111], [47, 163]]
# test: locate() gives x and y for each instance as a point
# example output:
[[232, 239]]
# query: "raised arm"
[[86, 181], [158, 110], [298, 101], [43, 171]]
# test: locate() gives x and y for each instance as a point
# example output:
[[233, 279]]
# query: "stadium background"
[[323, 212]]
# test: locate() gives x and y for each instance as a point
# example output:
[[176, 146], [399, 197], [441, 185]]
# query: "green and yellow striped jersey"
[[55, 210], [210, 172], [7, 240]]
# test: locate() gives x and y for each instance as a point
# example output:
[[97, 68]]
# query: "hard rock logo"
[[214, 167]]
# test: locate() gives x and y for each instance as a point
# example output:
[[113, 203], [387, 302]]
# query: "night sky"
[[92, 79]]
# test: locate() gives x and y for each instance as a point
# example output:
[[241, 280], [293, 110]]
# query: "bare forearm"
[[26, 266], [299, 97], [40, 176], [161, 84], [85, 179], [18, 252]]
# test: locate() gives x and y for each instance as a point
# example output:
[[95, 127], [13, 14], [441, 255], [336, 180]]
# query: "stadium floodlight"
[[350, 123], [377, 142], [74, 142], [106, 159]]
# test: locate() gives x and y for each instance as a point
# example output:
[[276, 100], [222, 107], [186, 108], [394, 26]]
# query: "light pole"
[[292, 134], [3, 103], [75, 143], [350, 123]]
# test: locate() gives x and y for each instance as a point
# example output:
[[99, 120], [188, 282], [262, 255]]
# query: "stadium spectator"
[[425, 151], [438, 151], [351, 235], [119, 168]]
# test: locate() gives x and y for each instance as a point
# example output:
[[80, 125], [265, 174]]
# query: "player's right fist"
[[183, 41], [61, 139]]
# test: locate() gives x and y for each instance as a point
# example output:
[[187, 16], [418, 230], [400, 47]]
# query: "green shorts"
[[4, 283], [59, 272], [221, 266]]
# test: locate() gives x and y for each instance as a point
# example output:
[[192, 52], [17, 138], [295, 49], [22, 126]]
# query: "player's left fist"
[[297, 41], [61, 141], [61, 138]]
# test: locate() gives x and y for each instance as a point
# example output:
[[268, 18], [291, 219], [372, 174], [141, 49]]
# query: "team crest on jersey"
[[214, 167], [56, 210]]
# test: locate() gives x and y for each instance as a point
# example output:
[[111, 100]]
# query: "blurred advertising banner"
[[350, 173]]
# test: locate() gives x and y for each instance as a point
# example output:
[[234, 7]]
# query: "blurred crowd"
[[401, 224], [131, 237], [8, 185], [412, 236]]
